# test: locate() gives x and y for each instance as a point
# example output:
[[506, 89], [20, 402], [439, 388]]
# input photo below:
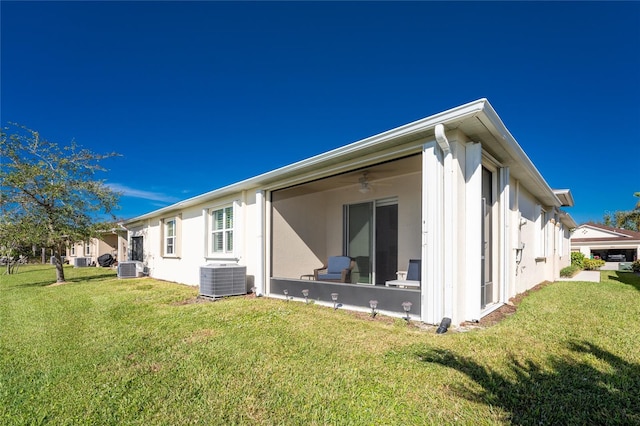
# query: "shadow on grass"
[[99, 277], [570, 392], [629, 278], [69, 280]]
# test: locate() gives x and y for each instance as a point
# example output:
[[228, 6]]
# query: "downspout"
[[260, 258], [447, 219]]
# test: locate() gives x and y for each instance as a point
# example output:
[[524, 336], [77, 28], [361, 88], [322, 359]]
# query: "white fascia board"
[[566, 219], [334, 156], [535, 182]]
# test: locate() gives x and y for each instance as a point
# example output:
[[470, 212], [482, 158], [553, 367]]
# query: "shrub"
[[569, 271], [636, 266], [577, 259], [593, 264]]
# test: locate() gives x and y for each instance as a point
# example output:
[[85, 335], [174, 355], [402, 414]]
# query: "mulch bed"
[[504, 311]]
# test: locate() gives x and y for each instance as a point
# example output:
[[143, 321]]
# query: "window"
[[542, 239], [73, 250], [87, 249], [222, 230], [170, 240], [170, 236]]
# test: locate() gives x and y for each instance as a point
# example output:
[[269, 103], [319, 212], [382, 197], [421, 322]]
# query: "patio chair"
[[338, 269], [410, 278]]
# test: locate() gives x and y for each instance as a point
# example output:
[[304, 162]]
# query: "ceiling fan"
[[365, 182]]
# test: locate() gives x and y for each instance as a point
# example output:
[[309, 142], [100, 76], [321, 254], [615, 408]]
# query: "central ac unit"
[[223, 280], [131, 269], [81, 262], [53, 259]]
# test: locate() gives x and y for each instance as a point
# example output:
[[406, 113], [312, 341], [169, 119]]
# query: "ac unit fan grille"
[[81, 262], [128, 269], [219, 281]]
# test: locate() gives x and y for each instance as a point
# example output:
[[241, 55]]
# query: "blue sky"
[[199, 95]]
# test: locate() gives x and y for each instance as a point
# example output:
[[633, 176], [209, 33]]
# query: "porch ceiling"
[[375, 174]]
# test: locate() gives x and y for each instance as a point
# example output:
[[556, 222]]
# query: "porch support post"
[[473, 232], [505, 257], [432, 234], [448, 241], [260, 253]]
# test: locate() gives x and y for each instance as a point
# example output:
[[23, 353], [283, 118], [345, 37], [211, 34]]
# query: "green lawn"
[[99, 350]]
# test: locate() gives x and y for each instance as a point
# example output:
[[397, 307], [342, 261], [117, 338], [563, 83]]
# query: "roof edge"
[[451, 115]]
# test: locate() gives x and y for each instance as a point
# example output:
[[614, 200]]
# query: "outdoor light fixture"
[[253, 290], [286, 294], [334, 297], [374, 305], [407, 307], [305, 293]]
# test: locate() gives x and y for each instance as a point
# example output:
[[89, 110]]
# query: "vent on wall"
[[131, 269], [81, 262], [223, 280]]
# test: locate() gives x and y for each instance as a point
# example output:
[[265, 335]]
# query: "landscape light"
[[305, 293], [374, 305], [407, 307], [334, 297]]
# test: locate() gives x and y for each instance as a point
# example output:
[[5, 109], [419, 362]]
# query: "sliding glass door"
[[371, 239]]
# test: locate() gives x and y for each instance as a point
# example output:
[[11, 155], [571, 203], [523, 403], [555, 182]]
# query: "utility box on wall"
[[223, 280]]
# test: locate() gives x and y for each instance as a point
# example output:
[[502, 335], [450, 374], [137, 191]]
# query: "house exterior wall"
[[545, 241], [440, 218], [193, 240]]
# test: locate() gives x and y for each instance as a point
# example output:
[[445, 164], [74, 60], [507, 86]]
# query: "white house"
[[606, 242], [86, 253], [454, 191]]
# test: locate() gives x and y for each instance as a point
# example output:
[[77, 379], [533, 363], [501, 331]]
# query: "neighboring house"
[[454, 190], [113, 242], [605, 242]]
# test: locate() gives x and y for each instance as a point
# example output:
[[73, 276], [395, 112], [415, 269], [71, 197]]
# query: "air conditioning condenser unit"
[[223, 280], [81, 262], [131, 269]]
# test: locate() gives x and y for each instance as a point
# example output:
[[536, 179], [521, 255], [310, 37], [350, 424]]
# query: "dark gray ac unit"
[[81, 262], [223, 280], [53, 259], [132, 269]]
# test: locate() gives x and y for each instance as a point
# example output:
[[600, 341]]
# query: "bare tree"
[[50, 194]]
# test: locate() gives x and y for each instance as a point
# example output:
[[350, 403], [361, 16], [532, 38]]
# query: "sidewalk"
[[593, 276]]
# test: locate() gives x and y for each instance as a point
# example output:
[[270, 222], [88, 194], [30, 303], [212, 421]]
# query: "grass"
[[99, 350]]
